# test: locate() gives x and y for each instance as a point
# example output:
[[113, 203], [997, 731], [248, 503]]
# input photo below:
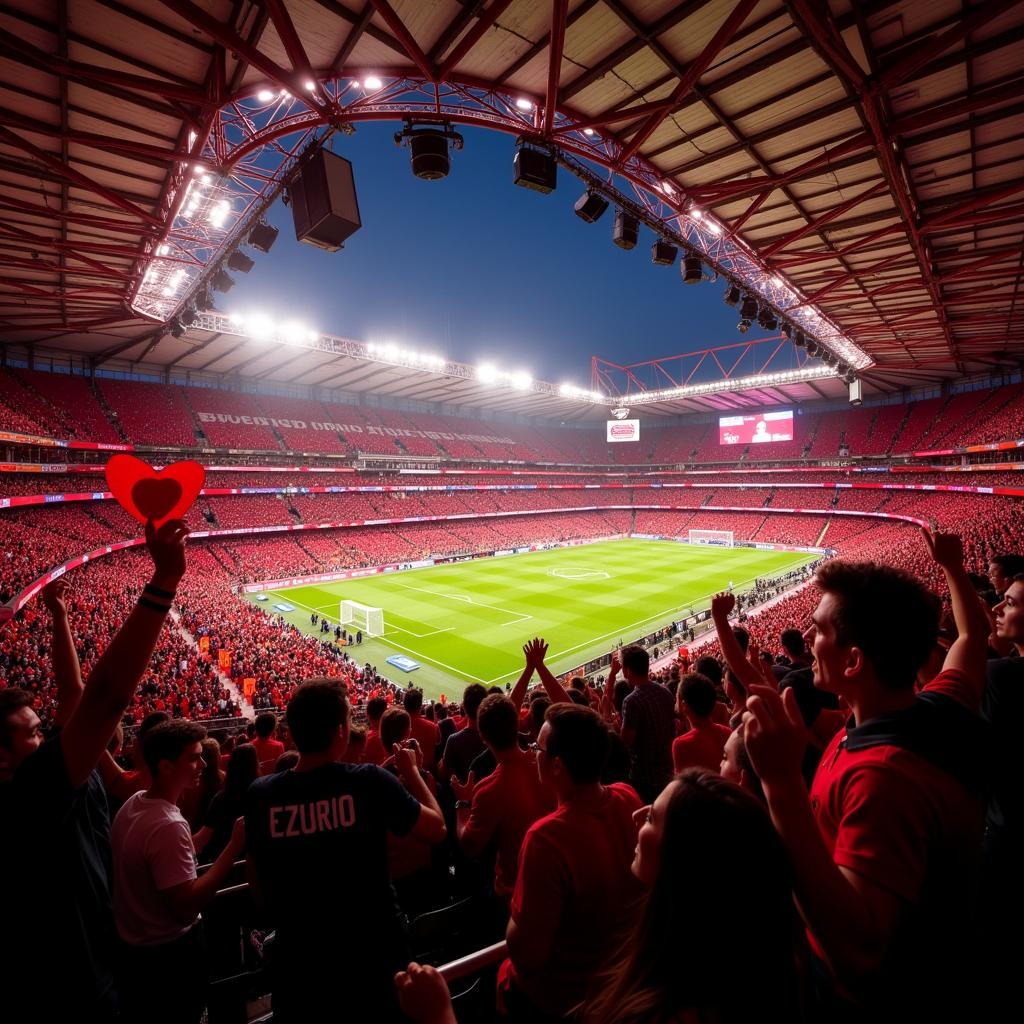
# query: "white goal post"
[[369, 620], [721, 538]]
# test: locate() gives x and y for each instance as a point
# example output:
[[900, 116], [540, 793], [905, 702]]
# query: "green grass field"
[[467, 622]]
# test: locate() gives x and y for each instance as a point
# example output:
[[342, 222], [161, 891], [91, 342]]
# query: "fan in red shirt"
[[268, 750], [374, 753], [885, 845], [575, 888], [703, 745], [424, 732], [500, 808]]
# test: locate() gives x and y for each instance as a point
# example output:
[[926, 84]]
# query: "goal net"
[[362, 617], [722, 538]]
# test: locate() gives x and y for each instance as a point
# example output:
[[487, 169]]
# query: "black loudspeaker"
[[625, 230], [533, 169], [323, 200], [663, 253], [590, 206], [429, 149]]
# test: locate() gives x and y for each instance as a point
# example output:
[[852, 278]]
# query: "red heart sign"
[[157, 494]]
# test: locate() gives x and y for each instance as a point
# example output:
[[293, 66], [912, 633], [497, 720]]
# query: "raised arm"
[[67, 672], [970, 649], [430, 826], [518, 694], [535, 651], [111, 685], [721, 606]]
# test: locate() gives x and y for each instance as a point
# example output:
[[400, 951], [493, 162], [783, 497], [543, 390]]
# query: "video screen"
[[765, 426]]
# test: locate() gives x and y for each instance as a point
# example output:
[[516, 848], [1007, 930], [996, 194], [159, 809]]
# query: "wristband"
[[462, 805], [155, 591], [145, 602]]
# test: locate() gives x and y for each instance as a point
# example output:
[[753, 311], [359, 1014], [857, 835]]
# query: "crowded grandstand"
[[460, 696]]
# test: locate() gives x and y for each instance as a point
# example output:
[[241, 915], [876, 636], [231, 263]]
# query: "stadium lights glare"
[[372, 82], [264, 96], [486, 373], [309, 85], [392, 353], [260, 326], [758, 380], [524, 104], [521, 380], [292, 333], [589, 131], [572, 391]]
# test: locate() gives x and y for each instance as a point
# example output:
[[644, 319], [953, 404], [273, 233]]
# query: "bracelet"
[[461, 805], [157, 592], [145, 602]]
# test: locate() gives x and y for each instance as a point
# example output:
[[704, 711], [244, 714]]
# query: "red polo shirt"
[[505, 805]]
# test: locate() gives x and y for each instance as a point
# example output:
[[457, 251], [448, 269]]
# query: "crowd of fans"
[[817, 818], [147, 413]]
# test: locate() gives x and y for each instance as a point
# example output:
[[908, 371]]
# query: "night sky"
[[475, 269]]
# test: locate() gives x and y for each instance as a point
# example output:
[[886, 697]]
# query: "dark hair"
[[579, 737], [12, 699], [287, 761], [577, 683], [742, 637], [538, 709], [672, 961], [394, 727], [711, 667], [472, 698], [620, 691], [316, 711], [636, 659], [440, 712], [266, 723], [870, 600], [579, 698], [375, 707], [792, 641], [698, 694], [1009, 565], [412, 700], [356, 736], [168, 741], [151, 721], [498, 722], [242, 771]]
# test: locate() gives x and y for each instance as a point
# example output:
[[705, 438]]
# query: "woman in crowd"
[[227, 805]]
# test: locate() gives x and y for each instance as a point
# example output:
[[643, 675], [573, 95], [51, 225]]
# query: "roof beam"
[[484, 22], [559, 12], [405, 38], [67, 172], [694, 70], [355, 33]]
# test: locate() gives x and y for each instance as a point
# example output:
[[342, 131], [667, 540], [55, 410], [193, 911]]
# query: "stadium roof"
[[870, 155]]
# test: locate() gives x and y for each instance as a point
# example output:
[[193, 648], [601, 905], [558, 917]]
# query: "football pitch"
[[467, 621]]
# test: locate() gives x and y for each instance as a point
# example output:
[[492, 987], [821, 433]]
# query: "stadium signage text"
[[346, 428]]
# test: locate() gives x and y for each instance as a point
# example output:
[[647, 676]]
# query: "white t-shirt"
[[152, 849]]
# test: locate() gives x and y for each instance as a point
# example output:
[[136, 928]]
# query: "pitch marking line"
[[639, 622], [419, 636], [519, 617]]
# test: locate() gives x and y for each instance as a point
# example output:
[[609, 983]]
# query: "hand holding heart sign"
[[154, 494]]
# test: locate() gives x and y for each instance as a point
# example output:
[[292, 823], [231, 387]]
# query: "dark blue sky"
[[474, 269]]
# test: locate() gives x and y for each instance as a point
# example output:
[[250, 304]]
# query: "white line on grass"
[[639, 622], [469, 600], [419, 636]]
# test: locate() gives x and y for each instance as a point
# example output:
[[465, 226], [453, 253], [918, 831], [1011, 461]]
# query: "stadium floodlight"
[[663, 254], [428, 148], [292, 333], [693, 272], [240, 262], [263, 236], [219, 213], [524, 104], [759, 380], [223, 281], [372, 82], [259, 326], [486, 373], [732, 295], [521, 380], [744, 325], [264, 95], [590, 206]]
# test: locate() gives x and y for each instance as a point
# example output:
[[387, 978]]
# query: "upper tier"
[[150, 414]]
